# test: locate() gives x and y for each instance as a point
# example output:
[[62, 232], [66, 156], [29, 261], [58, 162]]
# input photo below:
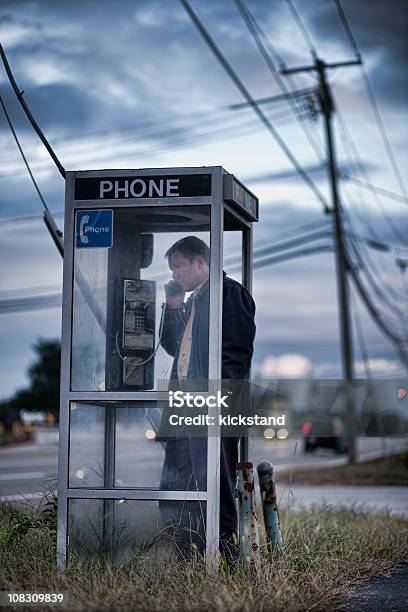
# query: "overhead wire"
[[344, 176], [267, 261], [394, 338], [384, 297], [24, 220], [349, 146], [28, 113], [53, 300], [313, 52], [49, 221], [244, 91], [287, 244], [368, 259], [167, 143], [372, 99], [362, 170], [390, 299], [268, 52], [390, 295], [22, 154], [368, 262], [181, 127], [306, 36]]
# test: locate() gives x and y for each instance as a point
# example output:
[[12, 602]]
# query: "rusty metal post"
[[248, 526], [269, 506]]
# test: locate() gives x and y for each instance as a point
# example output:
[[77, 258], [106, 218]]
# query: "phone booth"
[[115, 495]]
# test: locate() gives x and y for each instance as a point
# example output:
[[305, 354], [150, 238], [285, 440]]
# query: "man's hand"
[[174, 294]]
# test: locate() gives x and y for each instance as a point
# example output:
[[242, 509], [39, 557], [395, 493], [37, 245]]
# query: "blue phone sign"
[[94, 229]]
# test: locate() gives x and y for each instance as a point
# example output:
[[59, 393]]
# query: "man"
[[185, 337]]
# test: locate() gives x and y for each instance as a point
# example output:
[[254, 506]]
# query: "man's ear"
[[200, 262]]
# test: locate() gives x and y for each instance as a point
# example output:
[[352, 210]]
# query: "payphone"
[[131, 361]]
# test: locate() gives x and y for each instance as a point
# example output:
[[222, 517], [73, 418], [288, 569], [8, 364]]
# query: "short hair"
[[190, 247]]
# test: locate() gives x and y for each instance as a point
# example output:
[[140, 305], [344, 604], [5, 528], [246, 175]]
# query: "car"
[[324, 431]]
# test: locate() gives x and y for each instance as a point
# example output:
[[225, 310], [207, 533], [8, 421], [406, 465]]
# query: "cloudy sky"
[[131, 84]]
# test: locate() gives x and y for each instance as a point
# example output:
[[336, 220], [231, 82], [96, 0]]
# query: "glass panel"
[[85, 526], [143, 459], [139, 456], [87, 445], [89, 321], [118, 296], [232, 260], [119, 528]]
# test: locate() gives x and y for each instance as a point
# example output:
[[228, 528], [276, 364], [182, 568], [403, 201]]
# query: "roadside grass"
[[392, 470], [326, 555]]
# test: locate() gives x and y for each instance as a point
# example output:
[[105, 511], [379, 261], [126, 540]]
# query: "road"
[[27, 470]]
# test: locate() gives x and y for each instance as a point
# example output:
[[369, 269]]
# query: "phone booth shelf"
[[113, 496]]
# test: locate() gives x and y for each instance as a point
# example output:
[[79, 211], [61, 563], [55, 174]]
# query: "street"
[[27, 470]]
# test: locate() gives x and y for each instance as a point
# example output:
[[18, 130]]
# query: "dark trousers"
[[185, 469]]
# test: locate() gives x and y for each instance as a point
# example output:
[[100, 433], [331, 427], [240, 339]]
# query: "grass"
[[391, 470], [326, 555]]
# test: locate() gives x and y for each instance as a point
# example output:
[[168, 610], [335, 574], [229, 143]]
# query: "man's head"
[[189, 260]]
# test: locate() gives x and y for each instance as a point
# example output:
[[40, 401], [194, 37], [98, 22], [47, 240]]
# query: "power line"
[[283, 246], [29, 303], [287, 96], [267, 261], [392, 300], [374, 188], [349, 142], [322, 225], [161, 129], [22, 154], [244, 91], [382, 246], [386, 329], [244, 129], [377, 318], [294, 242], [54, 231], [256, 31], [378, 290], [302, 28], [373, 102], [27, 111], [24, 220], [347, 29], [365, 261], [384, 297], [54, 300], [369, 89]]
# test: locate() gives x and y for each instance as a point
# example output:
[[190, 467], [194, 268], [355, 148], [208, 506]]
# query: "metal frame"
[[108, 494]]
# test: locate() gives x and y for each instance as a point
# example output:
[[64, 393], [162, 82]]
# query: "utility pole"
[[327, 107]]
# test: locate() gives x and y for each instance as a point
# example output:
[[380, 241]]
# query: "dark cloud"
[[57, 103], [380, 29]]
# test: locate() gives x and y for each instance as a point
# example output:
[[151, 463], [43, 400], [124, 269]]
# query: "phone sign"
[[94, 229]]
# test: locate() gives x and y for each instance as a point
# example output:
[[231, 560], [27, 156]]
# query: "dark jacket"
[[238, 332]]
